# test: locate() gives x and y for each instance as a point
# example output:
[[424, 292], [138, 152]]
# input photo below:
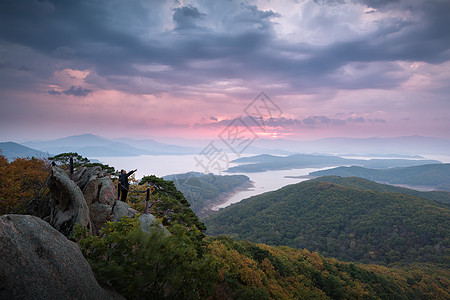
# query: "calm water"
[[162, 165], [269, 181], [159, 165]]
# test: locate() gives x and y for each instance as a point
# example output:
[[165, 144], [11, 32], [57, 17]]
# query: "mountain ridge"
[[94, 145], [436, 176], [410, 145], [12, 150], [264, 162]]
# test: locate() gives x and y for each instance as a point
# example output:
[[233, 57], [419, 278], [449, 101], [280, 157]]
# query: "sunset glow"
[[187, 69]]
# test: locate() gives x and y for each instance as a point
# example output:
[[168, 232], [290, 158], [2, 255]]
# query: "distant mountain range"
[[90, 145], [362, 223], [375, 146], [95, 146], [13, 150], [429, 177], [265, 162]]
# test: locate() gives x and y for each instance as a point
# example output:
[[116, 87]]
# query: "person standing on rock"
[[124, 186]]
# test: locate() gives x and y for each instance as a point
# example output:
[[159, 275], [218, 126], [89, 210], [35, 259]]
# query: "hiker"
[[123, 184]]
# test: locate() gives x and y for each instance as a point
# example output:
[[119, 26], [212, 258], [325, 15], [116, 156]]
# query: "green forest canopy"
[[346, 223], [436, 176]]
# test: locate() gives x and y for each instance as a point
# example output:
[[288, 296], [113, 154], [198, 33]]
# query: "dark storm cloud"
[[77, 91], [185, 16], [112, 38], [72, 91], [312, 121], [292, 124], [269, 123], [378, 3], [54, 92]]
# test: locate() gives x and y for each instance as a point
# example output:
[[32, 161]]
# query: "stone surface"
[[67, 204], [89, 199], [107, 193], [99, 213], [122, 209], [149, 221], [90, 190], [37, 262], [84, 174], [99, 193]]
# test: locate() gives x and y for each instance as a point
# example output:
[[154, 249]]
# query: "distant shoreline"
[[223, 198], [300, 177]]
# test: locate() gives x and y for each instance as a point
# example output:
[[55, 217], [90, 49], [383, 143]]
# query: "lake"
[[269, 181], [162, 165]]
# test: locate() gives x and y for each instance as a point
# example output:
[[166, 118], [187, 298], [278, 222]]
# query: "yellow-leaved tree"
[[21, 180]]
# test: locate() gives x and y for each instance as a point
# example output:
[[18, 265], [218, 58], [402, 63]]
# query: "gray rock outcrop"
[[96, 186], [68, 206], [149, 221], [122, 209], [99, 194], [89, 199], [38, 262]]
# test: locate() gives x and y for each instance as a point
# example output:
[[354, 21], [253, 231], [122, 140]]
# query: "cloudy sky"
[[145, 68]]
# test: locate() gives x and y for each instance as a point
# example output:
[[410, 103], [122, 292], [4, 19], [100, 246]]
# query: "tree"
[[148, 266], [21, 181], [172, 207], [63, 159]]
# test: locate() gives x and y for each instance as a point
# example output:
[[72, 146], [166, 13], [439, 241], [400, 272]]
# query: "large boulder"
[[67, 204], [122, 209], [99, 193], [38, 262], [96, 185], [149, 222], [89, 199], [99, 213]]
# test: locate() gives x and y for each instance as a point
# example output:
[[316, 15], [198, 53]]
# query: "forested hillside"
[[259, 271], [435, 176], [345, 223], [364, 184], [264, 162], [204, 191]]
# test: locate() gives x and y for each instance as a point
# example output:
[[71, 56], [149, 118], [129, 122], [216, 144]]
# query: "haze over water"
[[163, 165]]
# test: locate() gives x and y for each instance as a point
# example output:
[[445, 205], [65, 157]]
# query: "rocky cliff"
[[89, 199]]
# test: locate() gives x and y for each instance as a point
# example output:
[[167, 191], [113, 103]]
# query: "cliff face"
[[89, 200], [38, 262]]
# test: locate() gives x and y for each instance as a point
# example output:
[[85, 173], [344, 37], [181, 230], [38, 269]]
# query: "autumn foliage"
[[21, 181], [258, 271]]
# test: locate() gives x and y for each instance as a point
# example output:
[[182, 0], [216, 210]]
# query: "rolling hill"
[[264, 162], [350, 224], [364, 184], [204, 191], [92, 145], [13, 150], [431, 176]]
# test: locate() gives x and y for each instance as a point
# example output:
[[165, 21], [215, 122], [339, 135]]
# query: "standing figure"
[[123, 184]]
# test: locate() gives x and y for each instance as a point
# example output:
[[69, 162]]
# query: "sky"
[[299, 69]]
